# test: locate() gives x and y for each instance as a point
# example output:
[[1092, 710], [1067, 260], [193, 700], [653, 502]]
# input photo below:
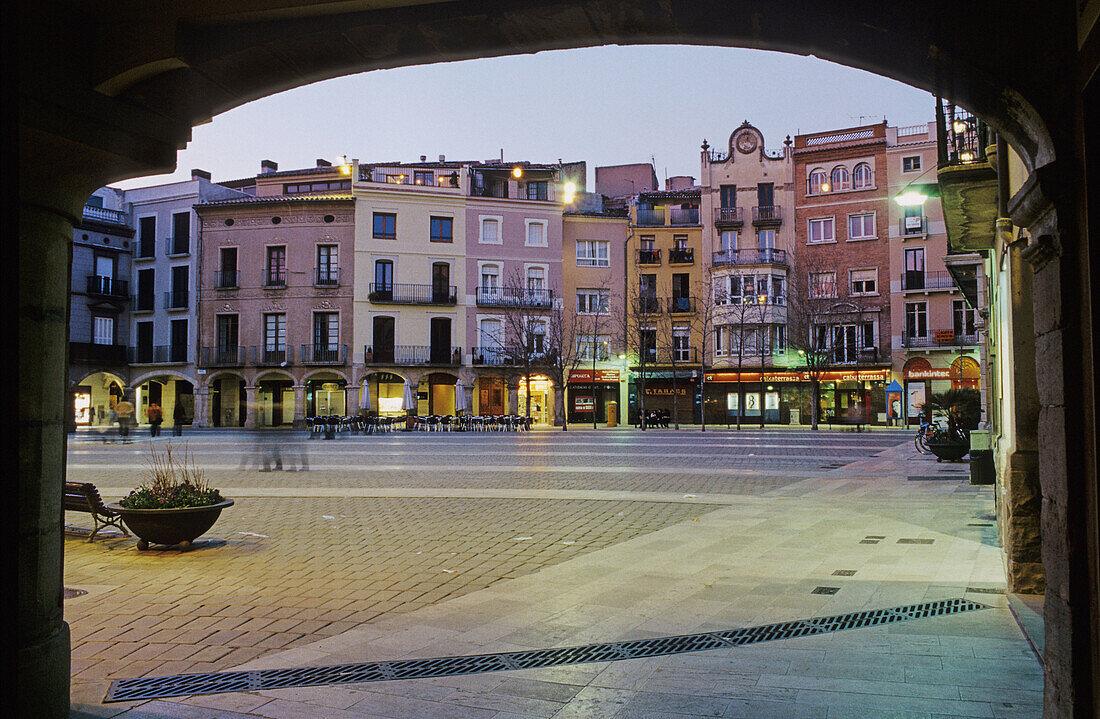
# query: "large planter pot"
[[170, 526], [951, 451]]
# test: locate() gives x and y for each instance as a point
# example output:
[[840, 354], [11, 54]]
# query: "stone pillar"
[[513, 396], [42, 663], [202, 416], [251, 407], [299, 406]]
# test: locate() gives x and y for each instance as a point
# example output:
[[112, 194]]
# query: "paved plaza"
[[426, 545]]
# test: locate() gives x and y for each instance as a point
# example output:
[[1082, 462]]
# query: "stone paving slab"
[[708, 562]]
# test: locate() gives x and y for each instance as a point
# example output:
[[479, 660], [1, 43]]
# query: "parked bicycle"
[[928, 430]]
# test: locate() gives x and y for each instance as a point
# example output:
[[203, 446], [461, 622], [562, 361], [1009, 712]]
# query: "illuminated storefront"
[[785, 397]]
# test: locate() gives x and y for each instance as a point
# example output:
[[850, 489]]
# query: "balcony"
[[177, 246], [326, 354], [274, 279], [158, 354], [668, 356], [650, 218], [144, 302], [728, 217], [750, 256], [405, 294], [649, 257], [270, 357], [177, 300], [767, 215], [492, 356], [227, 280], [102, 214], [514, 297], [100, 286], [927, 281], [412, 355], [326, 276], [681, 256], [683, 216], [223, 357], [913, 226], [681, 305], [967, 178], [647, 305], [939, 339], [92, 353]]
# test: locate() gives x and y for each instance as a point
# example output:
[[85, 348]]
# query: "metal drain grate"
[[825, 590], [220, 682], [915, 541]]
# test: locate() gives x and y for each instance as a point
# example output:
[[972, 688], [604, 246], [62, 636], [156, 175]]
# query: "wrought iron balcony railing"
[[108, 287], [767, 215], [917, 280], [728, 217], [223, 356], [649, 257], [406, 355], [270, 356], [327, 354], [650, 218], [913, 226], [939, 338], [750, 256], [681, 256], [962, 137], [647, 305], [177, 300], [681, 304], [683, 216], [226, 280], [326, 276], [274, 279], [514, 297], [177, 246], [158, 354], [92, 353], [406, 294]]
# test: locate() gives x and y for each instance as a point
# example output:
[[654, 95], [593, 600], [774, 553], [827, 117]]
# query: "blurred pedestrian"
[[178, 418], [156, 416], [125, 411]]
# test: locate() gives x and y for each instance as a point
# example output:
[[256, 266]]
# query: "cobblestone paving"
[[284, 571]]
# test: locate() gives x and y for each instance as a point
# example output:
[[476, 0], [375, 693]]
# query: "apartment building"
[[99, 308], [275, 319], [934, 325], [842, 230], [594, 276], [747, 209]]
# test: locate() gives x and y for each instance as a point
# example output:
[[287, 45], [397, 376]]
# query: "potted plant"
[[962, 407], [175, 505]]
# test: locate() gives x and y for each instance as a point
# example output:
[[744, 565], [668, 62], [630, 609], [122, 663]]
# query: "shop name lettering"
[[661, 391]]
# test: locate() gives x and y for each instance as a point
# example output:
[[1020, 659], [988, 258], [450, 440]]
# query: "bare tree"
[[812, 292], [704, 322], [638, 331], [567, 334], [743, 312]]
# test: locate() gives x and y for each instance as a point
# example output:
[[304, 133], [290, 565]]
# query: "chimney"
[[321, 162], [200, 175], [267, 166], [423, 158], [442, 158]]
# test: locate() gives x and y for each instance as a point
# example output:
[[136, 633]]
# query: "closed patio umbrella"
[[364, 398], [408, 399], [460, 397]]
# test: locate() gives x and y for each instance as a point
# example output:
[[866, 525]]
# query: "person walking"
[[156, 416], [178, 417], [124, 410]]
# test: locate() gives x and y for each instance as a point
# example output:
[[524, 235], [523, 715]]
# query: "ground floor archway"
[[94, 398]]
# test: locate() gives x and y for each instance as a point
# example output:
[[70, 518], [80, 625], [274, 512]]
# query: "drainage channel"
[[240, 681]]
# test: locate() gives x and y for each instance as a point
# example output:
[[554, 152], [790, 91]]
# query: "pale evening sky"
[[607, 106]]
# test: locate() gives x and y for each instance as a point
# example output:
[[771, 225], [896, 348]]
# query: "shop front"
[[676, 395], [542, 399], [388, 391], [325, 397], [922, 380], [94, 398], [589, 392], [786, 397], [490, 395]]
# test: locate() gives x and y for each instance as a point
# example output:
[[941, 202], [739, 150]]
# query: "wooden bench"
[[84, 497], [859, 422]]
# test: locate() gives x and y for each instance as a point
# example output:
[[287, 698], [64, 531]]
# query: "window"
[[385, 226], [275, 337], [681, 344], [593, 301], [328, 270], [423, 177], [536, 233], [818, 182], [680, 242], [226, 328], [442, 229], [144, 342], [145, 290], [536, 338], [181, 233], [103, 330], [822, 284], [147, 236], [720, 341], [913, 279], [536, 280], [729, 239], [861, 226], [840, 178], [490, 281], [537, 190], [821, 230], [728, 195], [963, 318], [721, 291], [326, 337], [913, 222], [862, 177], [844, 343], [765, 239], [593, 253], [383, 335], [779, 339], [441, 283], [594, 348], [383, 280], [490, 231], [863, 282], [177, 349], [910, 163], [177, 298], [778, 296], [276, 267], [648, 344], [916, 319], [227, 276]]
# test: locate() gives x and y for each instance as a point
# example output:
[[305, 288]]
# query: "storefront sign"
[[771, 400], [874, 375], [584, 404], [664, 391], [943, 336], [932, 373], [602, 375]]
